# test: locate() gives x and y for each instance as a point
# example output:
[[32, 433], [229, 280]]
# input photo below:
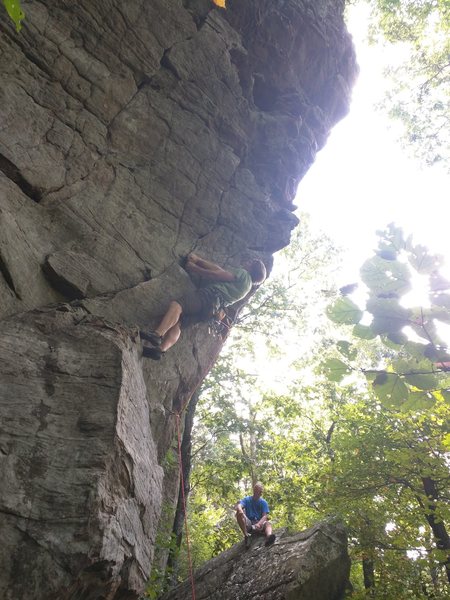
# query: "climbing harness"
[[220, 323]]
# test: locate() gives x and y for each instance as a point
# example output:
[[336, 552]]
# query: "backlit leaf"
[[422, 381], [446, 395], [441, 300], [422, 260], [436, 354], [390, 389], [347, 349], [336, 369], [344, 311], [387, 325], [389, 308], [385, 276], [418, 401], [364, 332], [398, 338]]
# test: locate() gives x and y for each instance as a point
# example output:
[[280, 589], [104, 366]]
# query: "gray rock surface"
[[81, 484], [132, 133], [311, 565]]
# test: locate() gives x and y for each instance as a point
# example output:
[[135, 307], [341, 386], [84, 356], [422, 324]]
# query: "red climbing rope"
[[180, 464]]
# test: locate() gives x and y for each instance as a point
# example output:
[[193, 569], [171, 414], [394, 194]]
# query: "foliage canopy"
[[361, 432]]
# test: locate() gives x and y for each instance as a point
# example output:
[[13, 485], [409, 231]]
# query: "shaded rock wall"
[[132, 133], [311, 565]]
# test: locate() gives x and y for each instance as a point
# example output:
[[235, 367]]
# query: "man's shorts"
[[249, 524], [201, 303]]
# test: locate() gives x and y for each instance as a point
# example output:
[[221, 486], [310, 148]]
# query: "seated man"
[[227, 287], [251, 515]]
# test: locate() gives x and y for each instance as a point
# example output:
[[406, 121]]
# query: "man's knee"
[[175, 307]]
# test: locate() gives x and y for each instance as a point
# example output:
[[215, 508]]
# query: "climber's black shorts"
[[201, 303]]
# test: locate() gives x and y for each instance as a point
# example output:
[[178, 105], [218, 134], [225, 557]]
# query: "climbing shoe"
[[270, 540], [153, 353], [151, 336]]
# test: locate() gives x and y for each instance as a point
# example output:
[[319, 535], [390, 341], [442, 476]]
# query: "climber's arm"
[[201, 262], [261, 522], [207, 269], [216, 274]]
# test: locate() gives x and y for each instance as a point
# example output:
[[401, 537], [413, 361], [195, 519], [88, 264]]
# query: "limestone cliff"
[[132, 133]]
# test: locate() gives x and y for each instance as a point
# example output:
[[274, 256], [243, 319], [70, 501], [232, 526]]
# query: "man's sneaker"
[[270, 540], [154, 353], [151, 336]]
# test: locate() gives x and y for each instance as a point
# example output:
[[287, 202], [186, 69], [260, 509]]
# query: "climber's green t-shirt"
[[230, 292]]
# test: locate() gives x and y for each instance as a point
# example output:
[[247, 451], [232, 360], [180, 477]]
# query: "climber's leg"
[[170, 319], [170, 338], [270, 537], [242, 522], [168, 331]]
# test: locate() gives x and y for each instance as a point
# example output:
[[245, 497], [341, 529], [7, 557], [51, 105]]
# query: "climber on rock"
[[252, 516], [227, 287]]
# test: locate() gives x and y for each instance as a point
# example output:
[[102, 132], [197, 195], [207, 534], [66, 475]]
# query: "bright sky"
[[362, 180]]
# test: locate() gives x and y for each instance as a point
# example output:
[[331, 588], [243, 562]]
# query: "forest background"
[[338, 399]]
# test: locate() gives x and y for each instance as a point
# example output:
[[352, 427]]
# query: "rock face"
[[132, 133], [312, 565], [81, 485]]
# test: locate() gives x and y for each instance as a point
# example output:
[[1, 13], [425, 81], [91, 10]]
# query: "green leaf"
[[427, 331], [386, 325], [389, 316], [441, 300], [344, 311], [418, 401], [391, 239], [446, 396], [394, 340], [441, 314], [347, 349], [15, 11], [385, 276], [364, 332], [390, 389], [390, 254], [336, 369], [422, 261], [436, 354], [388, 307], [422, 381], [438, 283]]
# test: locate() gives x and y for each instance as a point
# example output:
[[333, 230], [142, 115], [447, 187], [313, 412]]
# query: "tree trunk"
[[368, 573], [178, 523], [437, 526]]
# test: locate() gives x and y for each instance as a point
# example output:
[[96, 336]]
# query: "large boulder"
[[311, 565], [81, 485]]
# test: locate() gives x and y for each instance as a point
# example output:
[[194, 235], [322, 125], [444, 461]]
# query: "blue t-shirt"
[[254, 509]]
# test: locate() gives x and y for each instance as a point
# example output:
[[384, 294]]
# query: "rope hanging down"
[[180, 465]]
